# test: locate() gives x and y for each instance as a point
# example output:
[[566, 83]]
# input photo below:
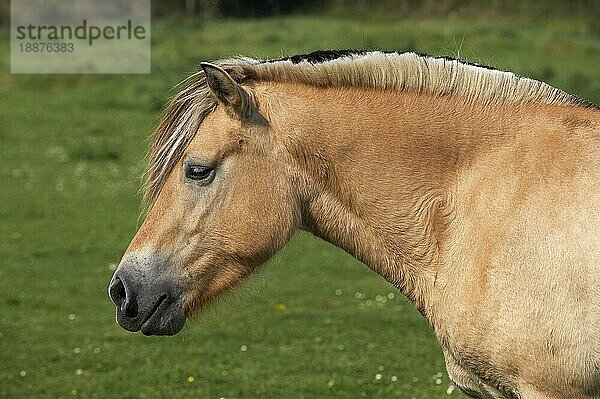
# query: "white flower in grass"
[[378, 376]]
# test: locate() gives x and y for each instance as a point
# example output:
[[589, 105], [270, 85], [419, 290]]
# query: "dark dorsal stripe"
[[320, 56], [317, 57]]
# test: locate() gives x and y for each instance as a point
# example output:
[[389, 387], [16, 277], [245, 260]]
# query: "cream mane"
[[373, 69], [403, 72]]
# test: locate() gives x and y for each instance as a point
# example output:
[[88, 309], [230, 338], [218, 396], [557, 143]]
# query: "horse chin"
[[169, 321], [195, 303]]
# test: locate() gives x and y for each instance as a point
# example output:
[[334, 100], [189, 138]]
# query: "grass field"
[[314, 323]]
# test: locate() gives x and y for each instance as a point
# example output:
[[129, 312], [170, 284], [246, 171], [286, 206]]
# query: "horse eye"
[[199, 173]]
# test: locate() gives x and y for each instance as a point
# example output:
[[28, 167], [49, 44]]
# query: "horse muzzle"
[[147, 297]]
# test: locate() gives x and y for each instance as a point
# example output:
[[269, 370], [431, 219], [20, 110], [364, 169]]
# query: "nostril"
[[129, 308], [117, 292], [119, 295]]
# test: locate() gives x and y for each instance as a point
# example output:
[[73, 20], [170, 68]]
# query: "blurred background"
[[314, 322]]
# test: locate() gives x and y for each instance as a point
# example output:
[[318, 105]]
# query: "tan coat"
[[484, 210]]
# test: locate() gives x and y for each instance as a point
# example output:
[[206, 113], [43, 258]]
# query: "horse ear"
[[227, 90]]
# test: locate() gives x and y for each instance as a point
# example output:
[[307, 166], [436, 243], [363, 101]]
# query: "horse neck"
[[377, 167]]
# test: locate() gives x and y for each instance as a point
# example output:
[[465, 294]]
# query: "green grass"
[[71, 152]]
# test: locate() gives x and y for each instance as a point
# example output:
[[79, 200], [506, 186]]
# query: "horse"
[[474, 191]]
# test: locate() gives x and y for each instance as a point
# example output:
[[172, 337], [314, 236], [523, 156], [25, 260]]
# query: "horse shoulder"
[[520, 282]]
